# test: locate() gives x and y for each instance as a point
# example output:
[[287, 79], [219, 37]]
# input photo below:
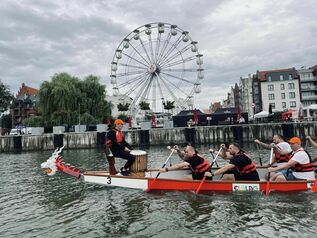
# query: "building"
[[308, 80], [246, 95], [23, 105], [278, 88]]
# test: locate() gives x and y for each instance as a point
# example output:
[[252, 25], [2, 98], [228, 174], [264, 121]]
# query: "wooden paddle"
[[158, 174], [267, 188], [204, 178]]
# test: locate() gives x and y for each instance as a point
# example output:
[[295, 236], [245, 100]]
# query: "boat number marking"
[[108, 180], [245, 187]]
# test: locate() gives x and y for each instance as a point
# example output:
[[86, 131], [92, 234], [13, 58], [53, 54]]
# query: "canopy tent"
[[287, 114], [263, 114]]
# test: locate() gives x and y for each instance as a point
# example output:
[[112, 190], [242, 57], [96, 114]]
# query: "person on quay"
[[240, 165], [300, 164], [193, 160], [119, 147]]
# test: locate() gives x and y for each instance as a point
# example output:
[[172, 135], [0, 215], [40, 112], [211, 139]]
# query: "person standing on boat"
[[300, 164], [119, 147], [240, 166], [193, 160]]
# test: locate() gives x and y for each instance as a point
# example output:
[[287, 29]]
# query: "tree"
[[123, 107], [144, 105], [169, 105], [33, 121], [5, 97]]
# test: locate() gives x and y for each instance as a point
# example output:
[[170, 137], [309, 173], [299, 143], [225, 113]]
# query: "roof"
[[27, 90], [228, 110], [262, 74], [189, 112]]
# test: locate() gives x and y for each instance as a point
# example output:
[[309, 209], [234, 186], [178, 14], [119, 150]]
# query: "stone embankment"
[[159, 136]]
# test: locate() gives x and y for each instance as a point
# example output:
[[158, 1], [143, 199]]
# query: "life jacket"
[[282, 158], [248, 168], [308, 167], [203, 167], [119, 138]]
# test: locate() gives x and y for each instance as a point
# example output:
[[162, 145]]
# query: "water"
[[33, 204]]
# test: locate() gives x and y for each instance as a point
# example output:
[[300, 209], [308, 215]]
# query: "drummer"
[[119, 147]]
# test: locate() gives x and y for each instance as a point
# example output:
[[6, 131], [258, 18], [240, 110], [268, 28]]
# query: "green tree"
[[5, 97], [123, 107], [144, 105], [169, 105], [34, 121]]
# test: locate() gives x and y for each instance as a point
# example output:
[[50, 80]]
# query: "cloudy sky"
[[40, 38]]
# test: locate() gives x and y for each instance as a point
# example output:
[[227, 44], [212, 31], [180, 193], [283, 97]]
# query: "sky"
[[40, 38]]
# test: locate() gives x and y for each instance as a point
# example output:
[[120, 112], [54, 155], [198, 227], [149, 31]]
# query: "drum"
[[140, 163]]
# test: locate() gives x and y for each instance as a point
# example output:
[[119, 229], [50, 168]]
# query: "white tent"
[[263, 114]]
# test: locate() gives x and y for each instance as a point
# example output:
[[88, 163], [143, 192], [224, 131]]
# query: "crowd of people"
[[290, 160]]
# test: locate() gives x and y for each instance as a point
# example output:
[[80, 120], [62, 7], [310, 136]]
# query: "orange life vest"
[[203, 167], [119, 138]]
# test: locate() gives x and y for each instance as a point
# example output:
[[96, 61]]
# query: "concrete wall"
[[161, 136]]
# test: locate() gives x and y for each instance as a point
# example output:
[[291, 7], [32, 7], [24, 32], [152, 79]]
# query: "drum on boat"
[[140, 163]]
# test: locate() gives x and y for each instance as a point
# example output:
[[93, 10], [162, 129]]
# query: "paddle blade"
[[314, 188], [200, 185], [267, 188]]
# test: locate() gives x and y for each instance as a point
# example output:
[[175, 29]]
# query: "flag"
[[300, 112], [108, 120], [238, 113], [270, 109], [195, 116], [130, 121], [153, 121]]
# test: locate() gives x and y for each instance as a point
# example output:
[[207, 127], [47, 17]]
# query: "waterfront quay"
[[200, 135]]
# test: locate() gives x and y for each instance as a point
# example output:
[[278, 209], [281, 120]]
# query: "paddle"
[[204, 178], [267, 188], [212, 154], [257, 148]]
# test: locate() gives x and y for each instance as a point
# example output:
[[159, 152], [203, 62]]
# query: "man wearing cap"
[[300, 164], [119, 147]]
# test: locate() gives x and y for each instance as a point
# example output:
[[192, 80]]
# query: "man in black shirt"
[[240, 166], [196, 162]]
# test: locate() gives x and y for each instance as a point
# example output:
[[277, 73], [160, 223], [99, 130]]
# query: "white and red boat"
[[174, 180]]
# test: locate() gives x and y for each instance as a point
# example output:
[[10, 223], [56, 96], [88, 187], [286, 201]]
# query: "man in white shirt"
[[300, 163]]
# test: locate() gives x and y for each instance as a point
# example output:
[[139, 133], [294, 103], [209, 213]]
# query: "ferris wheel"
[[157, 63]]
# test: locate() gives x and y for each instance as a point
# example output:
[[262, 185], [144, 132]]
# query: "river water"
[[33, 204]]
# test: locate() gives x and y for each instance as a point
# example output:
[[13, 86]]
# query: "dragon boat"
[[174, 180]]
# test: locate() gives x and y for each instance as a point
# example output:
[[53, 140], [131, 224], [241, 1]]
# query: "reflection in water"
[[33, 204]]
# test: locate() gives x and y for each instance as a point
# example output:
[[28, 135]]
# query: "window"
[[270, 87], [282, 86], [269, 78], [281, 77], [290, 77], [272, 105], [271, 96], [291, 85], [283, 95], [292, 95], [292, 104], [283, 104]]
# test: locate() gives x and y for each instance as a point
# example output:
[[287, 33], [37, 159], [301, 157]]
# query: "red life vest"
[[308, 167], [203, 167], [282, 158], [247, 169]]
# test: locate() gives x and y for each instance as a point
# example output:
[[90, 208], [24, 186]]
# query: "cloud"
[[236, 37]]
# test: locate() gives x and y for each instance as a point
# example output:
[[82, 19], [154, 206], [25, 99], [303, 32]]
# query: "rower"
[[193, 160], [240, 166], [300, 164]]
